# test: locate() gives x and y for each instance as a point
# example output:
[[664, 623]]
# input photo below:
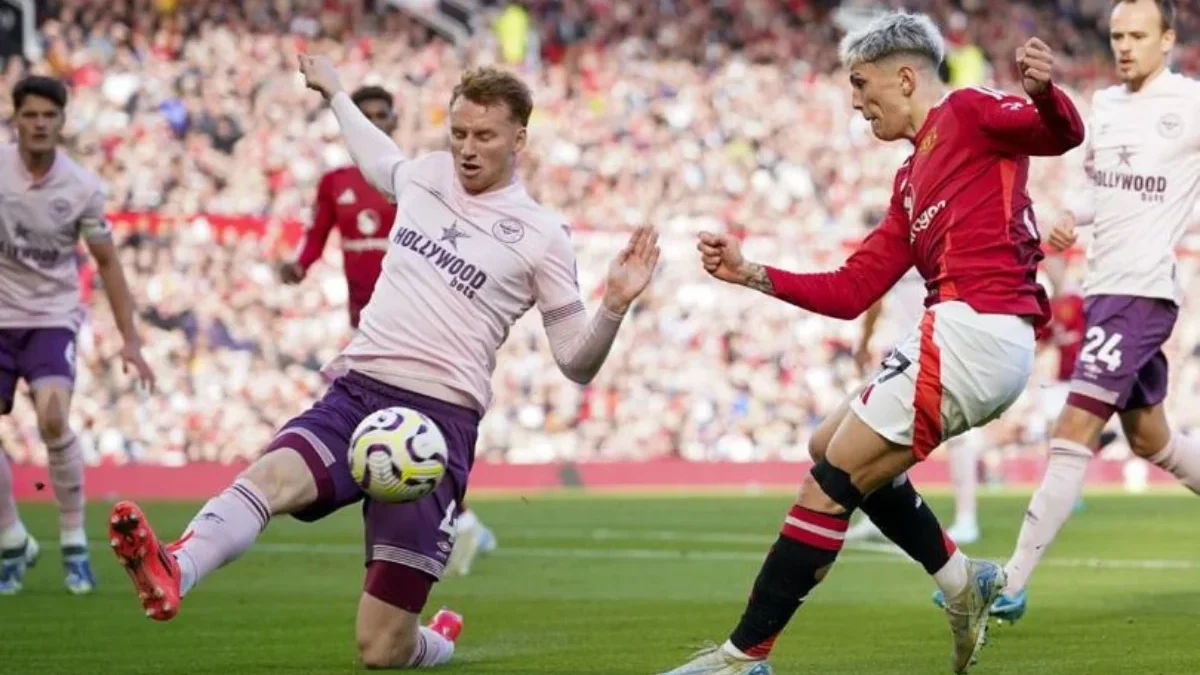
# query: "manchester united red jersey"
[[362, 216], [960, 212]]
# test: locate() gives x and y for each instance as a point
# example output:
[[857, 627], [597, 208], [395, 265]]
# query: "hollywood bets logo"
[[465, 277], [1151, 188]]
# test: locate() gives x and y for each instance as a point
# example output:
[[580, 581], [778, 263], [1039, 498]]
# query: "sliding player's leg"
[[1121, 365], [408, 548], [302, 472]]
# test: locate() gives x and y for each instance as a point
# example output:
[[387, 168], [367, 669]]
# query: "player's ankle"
[[75, 536], [730, 650], [13, 536]]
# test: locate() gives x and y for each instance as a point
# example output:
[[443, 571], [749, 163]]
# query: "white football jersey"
[[1143, 158], [41, 224], [459, 270]]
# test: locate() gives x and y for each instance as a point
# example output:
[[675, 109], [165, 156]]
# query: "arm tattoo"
[[756, 278]]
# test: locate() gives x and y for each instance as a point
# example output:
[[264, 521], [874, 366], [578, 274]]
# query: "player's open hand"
[[1062, 236], [721, 255], [632, 269], [320, 75], [1036, 62], [131, 355]]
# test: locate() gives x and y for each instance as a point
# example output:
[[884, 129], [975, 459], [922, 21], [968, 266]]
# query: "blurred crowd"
[[689, 114]]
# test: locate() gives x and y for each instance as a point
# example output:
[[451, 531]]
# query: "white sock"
[[223, 529], [74, 537], [953, 577], [1049, 509], [466, 520], [736, 653], [432, 649], [1181, 457], [13, 536], [964, 477]]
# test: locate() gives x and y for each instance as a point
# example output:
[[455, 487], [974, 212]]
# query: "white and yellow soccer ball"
[[398, 455]]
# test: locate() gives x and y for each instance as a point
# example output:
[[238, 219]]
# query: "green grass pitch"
[[618, 584]]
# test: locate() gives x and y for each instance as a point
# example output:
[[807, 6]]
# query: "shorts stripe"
[[309, 437], [927, 399], [408, 558], [1093, 391]]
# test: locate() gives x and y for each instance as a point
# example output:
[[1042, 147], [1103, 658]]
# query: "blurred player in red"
[[362, 216], [961, 214]]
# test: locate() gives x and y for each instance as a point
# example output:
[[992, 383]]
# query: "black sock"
[[808, 543], [904, 517]]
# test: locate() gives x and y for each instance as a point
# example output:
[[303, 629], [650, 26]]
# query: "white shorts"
[[1052, 398], [958, 370]]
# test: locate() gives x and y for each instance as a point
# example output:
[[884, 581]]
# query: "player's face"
[[380, 113], [1139, 44], [878, 94], [39, 124], [484, 140]]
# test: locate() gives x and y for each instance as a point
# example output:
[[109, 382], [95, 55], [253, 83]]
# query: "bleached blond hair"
[[891, 34]]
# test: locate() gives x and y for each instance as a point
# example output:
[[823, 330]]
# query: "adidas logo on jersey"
[[347, 197]]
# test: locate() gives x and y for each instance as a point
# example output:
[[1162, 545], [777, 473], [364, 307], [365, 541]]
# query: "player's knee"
[[828, 489], [53, 423], [817, 445], [284, 480], [1082, 420]]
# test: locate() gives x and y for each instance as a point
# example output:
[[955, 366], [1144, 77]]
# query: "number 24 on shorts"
[[1102, 346]]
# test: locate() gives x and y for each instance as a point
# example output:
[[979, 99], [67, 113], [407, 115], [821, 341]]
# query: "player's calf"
[[388, 632]]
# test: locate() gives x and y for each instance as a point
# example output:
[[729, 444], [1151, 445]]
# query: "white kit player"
[[900, 312], [1143, 158], [469, 253], [48, 203]]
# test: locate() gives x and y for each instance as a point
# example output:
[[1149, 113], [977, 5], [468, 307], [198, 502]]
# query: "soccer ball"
[[397, 455]]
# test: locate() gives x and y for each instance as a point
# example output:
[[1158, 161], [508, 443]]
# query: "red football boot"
[[151, 566], [447, 624]]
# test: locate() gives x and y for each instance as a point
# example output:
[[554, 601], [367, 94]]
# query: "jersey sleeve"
[[93, 223], [556, 281], [1048, 125], [324, 218], [866, 276], [374, 152]]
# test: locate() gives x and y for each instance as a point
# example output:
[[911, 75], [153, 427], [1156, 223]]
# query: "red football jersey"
[[960, 212], [362, 217], [1067, 327]]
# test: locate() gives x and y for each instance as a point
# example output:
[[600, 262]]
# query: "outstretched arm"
[[878, 263], [581, 344], [373, 151]]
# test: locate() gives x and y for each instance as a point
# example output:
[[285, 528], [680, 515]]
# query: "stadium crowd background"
[[685, 113]]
